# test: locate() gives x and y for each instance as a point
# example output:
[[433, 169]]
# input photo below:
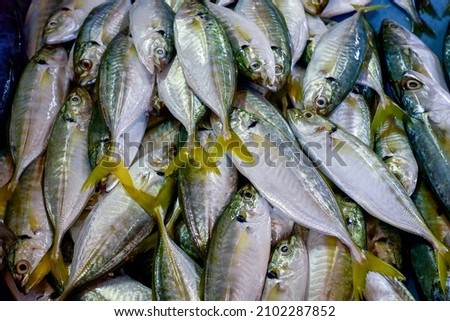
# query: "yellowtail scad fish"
[[273, 24], [208, 64], [65, 21], [151, 28], [288, 271], [395, 207], [428, 129], [251, 48], [27, 218], [335, 65], [67, 166], [239, 251], [295, 187], [39, 96], [98, 29]]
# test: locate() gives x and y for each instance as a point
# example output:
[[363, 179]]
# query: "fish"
[[151, 28], [239, 250], [418, 24], [404, 51], [273, 24], [428, 128], [185, 106], [6, 166], [373, 180], [353, 114], [205, 194], [207, 61], [335, 65], [40, 95], [98, 137], [295, 86], [105, 241], [26, 217], [295, 187], [446, 55], [119, 288], [124, 88], [288, 271], [35, 20], [99, 28], [186, 242], [297, 24], [251, 48], [392, 146], [65, 21], [67, 165], [354, 218]]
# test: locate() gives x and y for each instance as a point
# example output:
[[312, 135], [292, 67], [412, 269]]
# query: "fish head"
[[393, 33], [51, 56], [158, 50], [250, 206], [284, 254], [255, 66], [319, 95], [282, 68], [62, 26], [78, 108], [314, 7], [414, 92], [354, 218], [308, 125], [87, 61]]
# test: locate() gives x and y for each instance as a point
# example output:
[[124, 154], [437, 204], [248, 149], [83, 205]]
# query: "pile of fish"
[[248, 150]]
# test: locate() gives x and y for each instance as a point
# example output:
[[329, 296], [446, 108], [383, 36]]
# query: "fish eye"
[[349, 221], [75, 99], [284, 249], [255, 66], [348, 199], [308, 114], [412, 84], [22, 267], [247, 194], [52, 23], [278, 69], [86, 64], [160, 52], [321, 102]]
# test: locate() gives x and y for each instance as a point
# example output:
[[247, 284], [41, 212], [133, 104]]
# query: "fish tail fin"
[[194, 155], [59, 271], [421, 27], [105, 166], [443, 263], [365, 9], [383, 112], [42, 269], [5, 196], [370, 263], [231, 142]]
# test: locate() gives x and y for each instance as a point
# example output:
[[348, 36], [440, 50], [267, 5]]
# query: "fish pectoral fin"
[[235, 145], [42, 269], [370, 263]]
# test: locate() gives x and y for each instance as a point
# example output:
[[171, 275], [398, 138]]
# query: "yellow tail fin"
[[371, 263], [443, 263], [59, 271], [105, 166], [233, 144], [195, 156], [383, 112]]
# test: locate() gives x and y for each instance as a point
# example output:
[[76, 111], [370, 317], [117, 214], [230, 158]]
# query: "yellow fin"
[[196, 156], [233, 144], [41, 270], [105, 166], [5, 196], [443, 262], [370, 263], [59, 271], [365, 9], [384, 111]]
